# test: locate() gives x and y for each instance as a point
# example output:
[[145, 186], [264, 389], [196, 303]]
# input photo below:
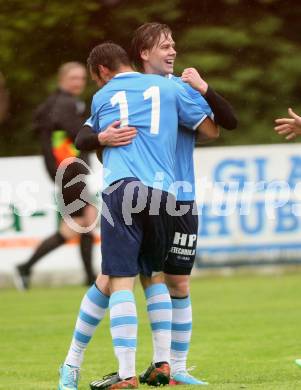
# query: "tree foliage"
[[248, 50]]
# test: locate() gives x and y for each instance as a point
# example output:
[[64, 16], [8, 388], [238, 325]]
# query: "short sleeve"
[[198, 99], [191, 115]]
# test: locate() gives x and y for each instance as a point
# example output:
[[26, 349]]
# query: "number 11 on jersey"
[[152, 93]]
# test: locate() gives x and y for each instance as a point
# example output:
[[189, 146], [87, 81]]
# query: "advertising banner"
[[248, 198]]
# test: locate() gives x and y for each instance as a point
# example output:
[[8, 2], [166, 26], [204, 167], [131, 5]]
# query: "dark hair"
[[108, 54], [145, 38]]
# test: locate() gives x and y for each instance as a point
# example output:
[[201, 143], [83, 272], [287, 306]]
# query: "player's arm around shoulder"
[[223, 112], [192, 77], [208, 130]]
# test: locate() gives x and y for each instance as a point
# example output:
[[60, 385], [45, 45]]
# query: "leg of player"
[[177, 271], [160, 315], [123, 326], [120, 250], [178, 286], [92, 310]]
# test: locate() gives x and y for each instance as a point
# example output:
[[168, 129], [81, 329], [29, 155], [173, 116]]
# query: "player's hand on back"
[[193, 78], [114, 135], [289, 127]]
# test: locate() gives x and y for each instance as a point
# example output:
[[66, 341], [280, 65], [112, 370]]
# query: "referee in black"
[[57, 121]]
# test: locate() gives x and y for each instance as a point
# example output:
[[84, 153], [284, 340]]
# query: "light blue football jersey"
[[184, 165], [156, 106]]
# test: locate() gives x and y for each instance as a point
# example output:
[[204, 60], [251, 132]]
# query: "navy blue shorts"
[[181, 256], [136, 242]]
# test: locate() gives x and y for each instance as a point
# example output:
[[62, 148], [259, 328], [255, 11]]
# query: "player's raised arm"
[[289, 127], [223, 112]]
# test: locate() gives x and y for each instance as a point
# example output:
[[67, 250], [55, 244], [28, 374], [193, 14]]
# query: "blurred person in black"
[[57, 121]]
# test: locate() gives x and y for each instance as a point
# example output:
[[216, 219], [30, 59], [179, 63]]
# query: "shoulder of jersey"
[[100, 92], [152, 77], [177, 80], [184, 85], [174, 77]]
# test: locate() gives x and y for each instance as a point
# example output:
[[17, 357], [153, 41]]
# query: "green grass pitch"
[[246, 334]]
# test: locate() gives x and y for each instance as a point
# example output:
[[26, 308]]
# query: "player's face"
[[74, 81], [160, 59]]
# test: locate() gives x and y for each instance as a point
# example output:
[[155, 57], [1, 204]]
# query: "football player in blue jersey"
[[145, 168], [153, 51]]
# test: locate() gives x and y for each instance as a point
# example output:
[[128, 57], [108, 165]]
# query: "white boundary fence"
[[249, 202]]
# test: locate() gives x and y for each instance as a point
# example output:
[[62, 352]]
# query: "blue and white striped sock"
[[159, 311], [181, 333], [92, 310], [123, 326]]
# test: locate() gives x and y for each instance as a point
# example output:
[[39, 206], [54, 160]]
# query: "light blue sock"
[[92, 310], [159, 311], [123, 327], [181, 333]]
